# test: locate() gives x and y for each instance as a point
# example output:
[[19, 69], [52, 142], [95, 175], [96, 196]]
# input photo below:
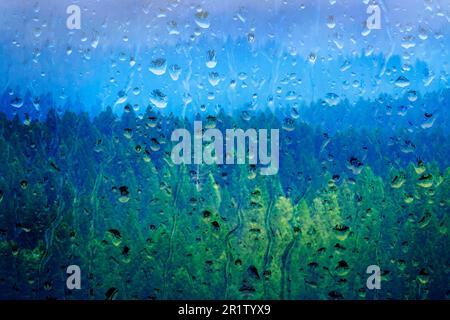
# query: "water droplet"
[[202, 20], [291, 95], [270, 101], [24, 184], [331, 23], [128, 133], [412, 96], [122, 97], [36, 103], [214, 78], [398, 181], [172, 28], [174, 72], [158, 66], [159, 99], [401, 264], [251, 37], [132, 62], [187, 98], [423, 33], [17, 102], [407, 146], [345, 66], [288, 124], [408, 42], [342, 269], [136, 91], [242, 76], [429, 121], [420, 168], [111, 293], [402, 82], [332, 99], [425, 181], [246, 115], [425, 220], [37, 32], [115, 237], [341, 232], [210, 122], [154, 144], [355, 165], [312, 58], [124, 198], [94, 42], [409, 198], [294, 113], [211, 60], [428, 80], [423, 277]]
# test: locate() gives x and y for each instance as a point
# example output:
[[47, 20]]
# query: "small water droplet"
[[251, 37], [332, 99], [402, 82], [312, 58], [214, 78], [174, 72], [136, 91], [211, 61], [122, 97]]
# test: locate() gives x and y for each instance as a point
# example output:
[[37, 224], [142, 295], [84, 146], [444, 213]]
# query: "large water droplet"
[[202, 20], [158, 66], [17, 102], [288, 124], [159, 99], [331, 23]]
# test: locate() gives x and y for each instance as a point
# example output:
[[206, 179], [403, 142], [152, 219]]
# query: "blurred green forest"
[[103, 194]]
